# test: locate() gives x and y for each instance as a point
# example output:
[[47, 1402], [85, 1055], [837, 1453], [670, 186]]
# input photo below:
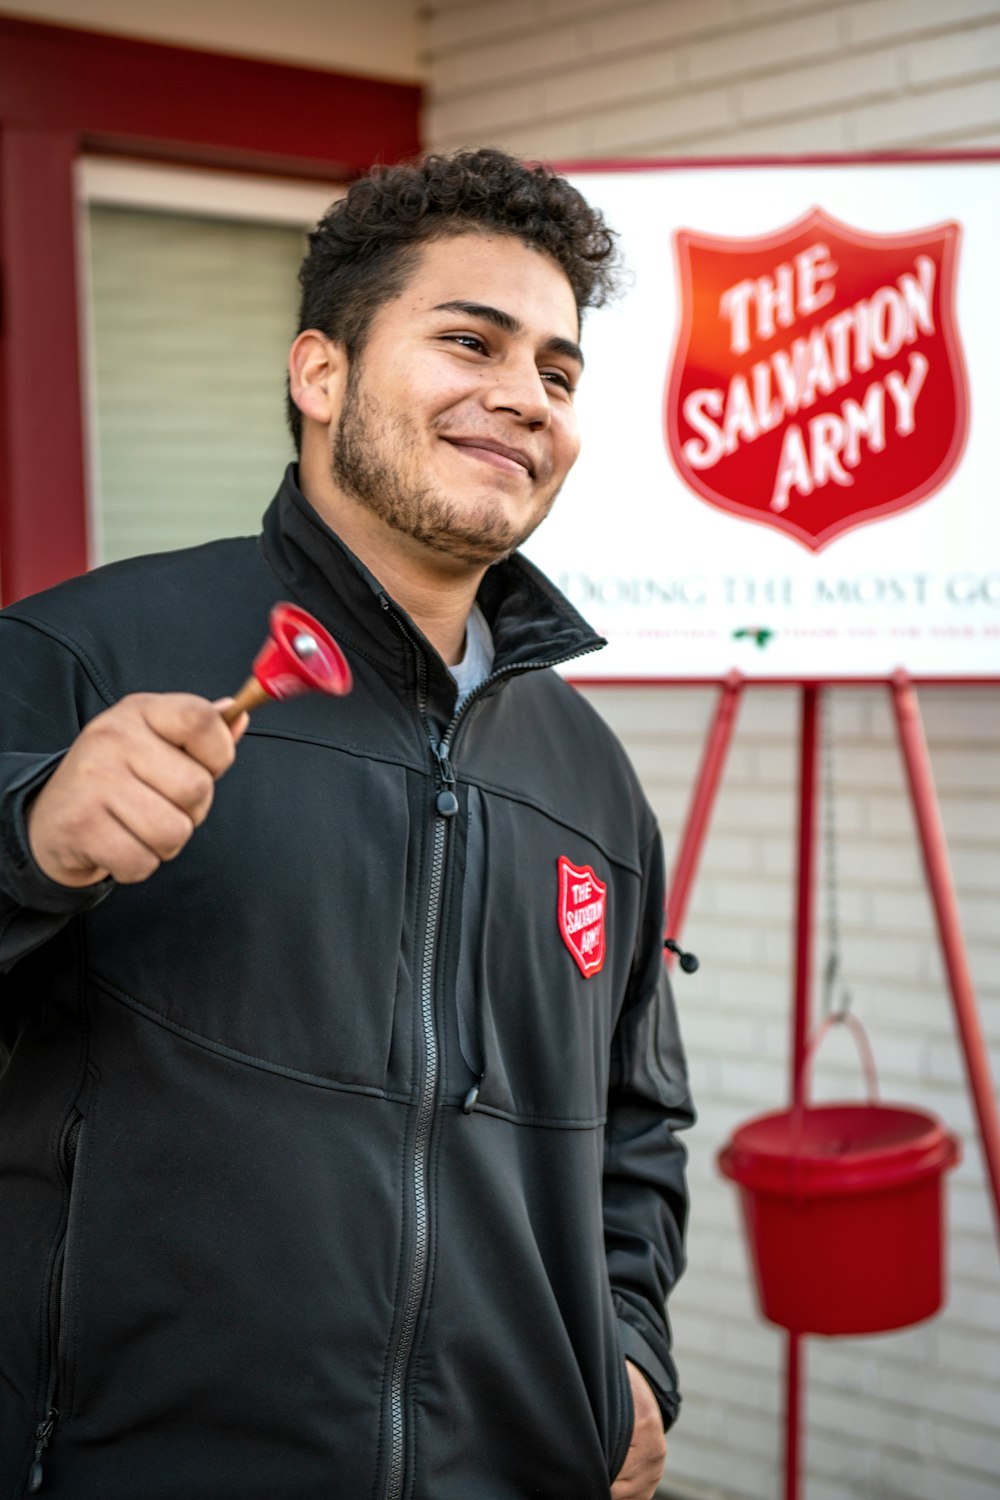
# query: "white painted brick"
[[976, 820], [976, 869], [642, 25], [850, 714], [915, 1479], [704, 1460], [973, 1257], [974, 1307], [883, 723], [891, 814], [927, 118], [654, 759], [609, 83], [631, 711], [681, 115], [778, 857], [965, 1400], [970, 818], [561, 10], [751, 808], [983, 960], [801, 89], [764, 48], [822, 1487], [963, 715], [492, 107], [883, 20], [871, 767], [833, 1412], [901, 911], [964, 1446], [769, 713], [982, 139], [963, 769], [746, 898], [757, 1083], [971, 1354], [869, 863], [467, 25], [945, 1063], [853, 1463], [827, 132], [705, 1376], [464, 71]]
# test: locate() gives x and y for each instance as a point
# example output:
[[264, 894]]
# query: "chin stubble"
[[369, 462]]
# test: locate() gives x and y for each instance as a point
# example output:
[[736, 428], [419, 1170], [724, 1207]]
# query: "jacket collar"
[[533, 624]]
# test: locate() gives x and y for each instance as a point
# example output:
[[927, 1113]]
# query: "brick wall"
[[912, 1415], [695, 77]]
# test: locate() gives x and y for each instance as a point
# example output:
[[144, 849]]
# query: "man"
[[337, 1134]]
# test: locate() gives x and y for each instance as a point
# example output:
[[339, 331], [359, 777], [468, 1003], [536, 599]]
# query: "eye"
[[559, 379], [467, 341]]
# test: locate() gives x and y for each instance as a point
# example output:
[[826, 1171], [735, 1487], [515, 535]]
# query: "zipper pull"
[[447, 802], [43, 1432]]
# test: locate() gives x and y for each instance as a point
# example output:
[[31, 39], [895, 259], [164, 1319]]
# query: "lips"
[[489, 445]]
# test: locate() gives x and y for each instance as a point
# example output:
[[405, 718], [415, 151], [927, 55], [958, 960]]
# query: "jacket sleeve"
[[645, 1197], [45, 698]]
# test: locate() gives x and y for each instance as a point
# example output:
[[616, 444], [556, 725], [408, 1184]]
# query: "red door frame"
[[63, 92]]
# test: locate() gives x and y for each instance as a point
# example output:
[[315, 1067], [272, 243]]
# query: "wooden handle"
[[250, 696]]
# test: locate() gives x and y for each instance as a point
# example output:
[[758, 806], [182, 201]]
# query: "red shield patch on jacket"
[[582, 907], [818, 380]]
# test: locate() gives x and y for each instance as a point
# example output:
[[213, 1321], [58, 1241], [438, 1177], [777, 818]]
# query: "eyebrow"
[[507, 323]]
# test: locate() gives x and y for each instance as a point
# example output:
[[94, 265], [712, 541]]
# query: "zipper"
[[422, 1133], [446, 806], [46, 1427], [43, 1433]]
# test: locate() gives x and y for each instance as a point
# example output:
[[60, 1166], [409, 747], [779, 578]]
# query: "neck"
[[437, 592]]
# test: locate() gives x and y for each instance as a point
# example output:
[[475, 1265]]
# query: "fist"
[[131, 790]]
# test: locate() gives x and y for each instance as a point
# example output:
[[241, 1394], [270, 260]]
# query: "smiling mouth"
[[497, 455]]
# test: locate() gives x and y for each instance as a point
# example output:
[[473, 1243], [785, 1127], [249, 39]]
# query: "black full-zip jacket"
[[331, 1164]]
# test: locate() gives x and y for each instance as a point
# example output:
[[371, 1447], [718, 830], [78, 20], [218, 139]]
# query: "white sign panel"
[[790, 425]]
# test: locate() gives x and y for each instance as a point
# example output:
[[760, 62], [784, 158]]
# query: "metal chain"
[[832, 968]]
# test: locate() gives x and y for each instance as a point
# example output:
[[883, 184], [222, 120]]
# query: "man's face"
[[457, 426]]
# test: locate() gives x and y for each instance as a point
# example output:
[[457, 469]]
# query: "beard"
[[374, 460]]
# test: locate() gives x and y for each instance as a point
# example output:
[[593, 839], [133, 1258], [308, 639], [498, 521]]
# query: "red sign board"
[[818, 380], [789, 451]]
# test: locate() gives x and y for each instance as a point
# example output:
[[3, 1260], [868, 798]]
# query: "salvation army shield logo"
[[582, 906], [818, 382]]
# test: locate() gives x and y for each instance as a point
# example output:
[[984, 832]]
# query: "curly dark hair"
[[363, 250]]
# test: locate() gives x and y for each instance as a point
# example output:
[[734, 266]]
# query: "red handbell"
[[299, 656]]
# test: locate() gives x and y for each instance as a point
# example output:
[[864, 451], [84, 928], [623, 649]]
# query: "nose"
[[517, 387]]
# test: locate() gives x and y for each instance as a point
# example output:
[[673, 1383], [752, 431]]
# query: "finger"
[[174, 774], [150, 818], [119, 853], [192, 724], [238, 727]]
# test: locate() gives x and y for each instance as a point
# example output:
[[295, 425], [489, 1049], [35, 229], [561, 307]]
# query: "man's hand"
[[643, 1467], [131, 790]]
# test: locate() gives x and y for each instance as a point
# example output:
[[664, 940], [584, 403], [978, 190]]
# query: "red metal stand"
[[806, 884], [942, 889], [706, 786], [913, 747]]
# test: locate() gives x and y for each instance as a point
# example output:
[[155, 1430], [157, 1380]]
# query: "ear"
[[317, 372]]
